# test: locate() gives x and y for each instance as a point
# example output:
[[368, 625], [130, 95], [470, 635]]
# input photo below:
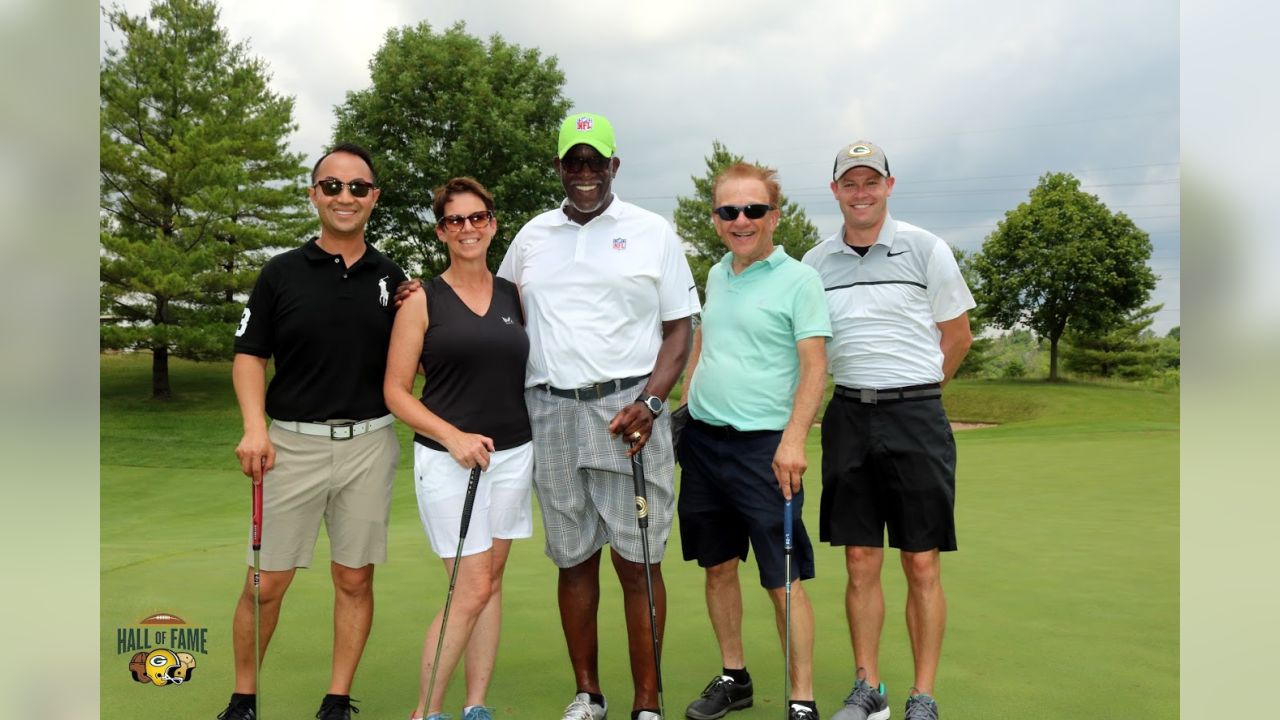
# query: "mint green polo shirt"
[[748, 368]]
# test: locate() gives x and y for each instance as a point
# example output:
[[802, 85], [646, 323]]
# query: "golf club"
[[256, 535], [786, 564], [642, 519], [472, 483]]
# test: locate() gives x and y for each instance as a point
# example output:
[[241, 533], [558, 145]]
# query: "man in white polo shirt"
[[900, 327], [608, 298]]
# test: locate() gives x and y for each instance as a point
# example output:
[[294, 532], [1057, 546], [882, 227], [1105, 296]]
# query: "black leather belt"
[[869, 396], [593, 392]]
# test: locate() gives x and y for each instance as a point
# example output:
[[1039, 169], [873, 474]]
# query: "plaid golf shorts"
[[583, 478]]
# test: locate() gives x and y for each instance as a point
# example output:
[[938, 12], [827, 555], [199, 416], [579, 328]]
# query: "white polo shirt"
[[885, 307], [596, 295]]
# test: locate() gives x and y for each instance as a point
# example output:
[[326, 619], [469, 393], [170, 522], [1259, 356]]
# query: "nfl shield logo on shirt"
[[619, 243], [584, 124]]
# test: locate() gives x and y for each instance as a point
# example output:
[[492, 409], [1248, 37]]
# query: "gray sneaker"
[[864, 703], [583, 709], [921, 707]]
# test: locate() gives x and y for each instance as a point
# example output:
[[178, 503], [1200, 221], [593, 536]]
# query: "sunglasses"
[[754, 211], [478, 220], [333, 187], [575, 164]]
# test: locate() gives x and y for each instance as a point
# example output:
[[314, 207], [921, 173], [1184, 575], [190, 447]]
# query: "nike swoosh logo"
[[895, 254]]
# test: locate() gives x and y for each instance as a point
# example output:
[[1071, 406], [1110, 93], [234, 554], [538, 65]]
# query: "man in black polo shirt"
[[323, 312], [900, 327]]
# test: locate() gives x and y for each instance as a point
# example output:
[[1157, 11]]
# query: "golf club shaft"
[[256, 543], [472, 483], [642, 519], [786, 659]]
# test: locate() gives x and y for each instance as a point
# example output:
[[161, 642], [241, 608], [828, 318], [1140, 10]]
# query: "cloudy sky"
[[971, 101]]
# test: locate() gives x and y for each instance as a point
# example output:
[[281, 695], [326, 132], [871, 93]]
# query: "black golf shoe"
[[800, 712], [239, 708], [336, 707], [721, 696]]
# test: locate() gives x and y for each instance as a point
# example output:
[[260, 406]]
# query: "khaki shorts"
[[346, 482]]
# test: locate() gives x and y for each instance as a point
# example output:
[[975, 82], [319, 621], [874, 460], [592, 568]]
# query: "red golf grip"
[[257, 516], [470, 500]]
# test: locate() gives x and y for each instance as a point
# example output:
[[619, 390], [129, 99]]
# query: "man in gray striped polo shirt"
[[900, 327]]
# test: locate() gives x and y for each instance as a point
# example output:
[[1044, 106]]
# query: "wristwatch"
[[655, 404]]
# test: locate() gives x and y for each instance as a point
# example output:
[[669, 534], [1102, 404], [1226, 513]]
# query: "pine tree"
[[196, 183]]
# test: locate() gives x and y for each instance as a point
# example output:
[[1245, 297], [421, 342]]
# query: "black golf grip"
[[642, 500], [472, 482]]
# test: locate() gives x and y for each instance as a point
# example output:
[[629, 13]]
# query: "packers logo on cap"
[[860, 150]]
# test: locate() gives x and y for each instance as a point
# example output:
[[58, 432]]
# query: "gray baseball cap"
[[860, 153]]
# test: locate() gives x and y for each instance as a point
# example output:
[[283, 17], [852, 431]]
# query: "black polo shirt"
[[328, 327]]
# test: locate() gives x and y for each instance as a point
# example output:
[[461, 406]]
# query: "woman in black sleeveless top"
[[467, 333]]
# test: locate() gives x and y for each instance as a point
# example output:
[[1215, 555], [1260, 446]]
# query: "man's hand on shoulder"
[[405, 289]]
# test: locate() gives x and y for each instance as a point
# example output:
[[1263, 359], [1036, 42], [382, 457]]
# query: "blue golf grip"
[[786, 527], [472, 482]]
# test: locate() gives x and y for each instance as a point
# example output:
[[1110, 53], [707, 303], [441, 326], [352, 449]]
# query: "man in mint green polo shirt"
[[755, 380]]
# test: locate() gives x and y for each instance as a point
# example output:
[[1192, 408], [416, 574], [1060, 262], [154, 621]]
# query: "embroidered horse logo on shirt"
[[383, 295]]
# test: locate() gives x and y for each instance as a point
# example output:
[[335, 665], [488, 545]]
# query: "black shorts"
[[891, 463], [729, 496]]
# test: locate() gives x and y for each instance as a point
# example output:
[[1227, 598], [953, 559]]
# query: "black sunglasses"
[[479, 220], [574, 164], [754, 211], [333, 187]]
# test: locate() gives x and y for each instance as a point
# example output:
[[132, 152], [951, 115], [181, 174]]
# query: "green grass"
[[1062, 600]]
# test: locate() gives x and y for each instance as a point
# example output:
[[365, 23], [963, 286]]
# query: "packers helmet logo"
[[642, 507], [162, 667], [860, 151]]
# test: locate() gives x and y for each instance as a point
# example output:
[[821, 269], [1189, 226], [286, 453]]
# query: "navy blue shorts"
[[729, 497], [889, 464]]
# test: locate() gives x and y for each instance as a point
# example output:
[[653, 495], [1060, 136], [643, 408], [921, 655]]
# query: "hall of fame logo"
[[163, 648]]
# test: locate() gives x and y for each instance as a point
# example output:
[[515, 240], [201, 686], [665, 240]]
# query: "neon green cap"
[[589, 129]]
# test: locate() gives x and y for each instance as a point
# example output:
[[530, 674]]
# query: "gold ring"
[[635, 435]]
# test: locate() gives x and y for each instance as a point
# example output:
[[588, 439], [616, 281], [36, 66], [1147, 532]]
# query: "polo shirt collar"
[[313, 252], [885, 237], [614, 211], [776, 258]]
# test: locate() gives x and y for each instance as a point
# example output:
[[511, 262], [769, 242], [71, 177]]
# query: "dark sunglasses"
[[754, 211], [478, 220], [333, 187], [575, 164]]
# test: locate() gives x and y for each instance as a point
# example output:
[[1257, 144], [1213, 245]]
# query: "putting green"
[[1063, 597]]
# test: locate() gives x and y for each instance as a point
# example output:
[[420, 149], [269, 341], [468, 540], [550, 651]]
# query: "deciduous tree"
[[447, 104], [1063, 260]]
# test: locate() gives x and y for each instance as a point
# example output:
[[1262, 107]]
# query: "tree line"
[[198, 189]]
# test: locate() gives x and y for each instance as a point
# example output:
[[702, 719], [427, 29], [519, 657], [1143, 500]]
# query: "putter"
[[642, 519], [786, 562], [257, 584], [472, 483]]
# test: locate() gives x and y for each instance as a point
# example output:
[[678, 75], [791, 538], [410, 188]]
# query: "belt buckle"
[[349, 427], [867, 396]]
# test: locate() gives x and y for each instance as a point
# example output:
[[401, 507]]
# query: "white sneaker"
[[648, 715], [583, 709]]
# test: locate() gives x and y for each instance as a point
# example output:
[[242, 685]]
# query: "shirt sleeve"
[[256, 333], [677, 294], [511, 262], [809, 307], [949, 295]]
